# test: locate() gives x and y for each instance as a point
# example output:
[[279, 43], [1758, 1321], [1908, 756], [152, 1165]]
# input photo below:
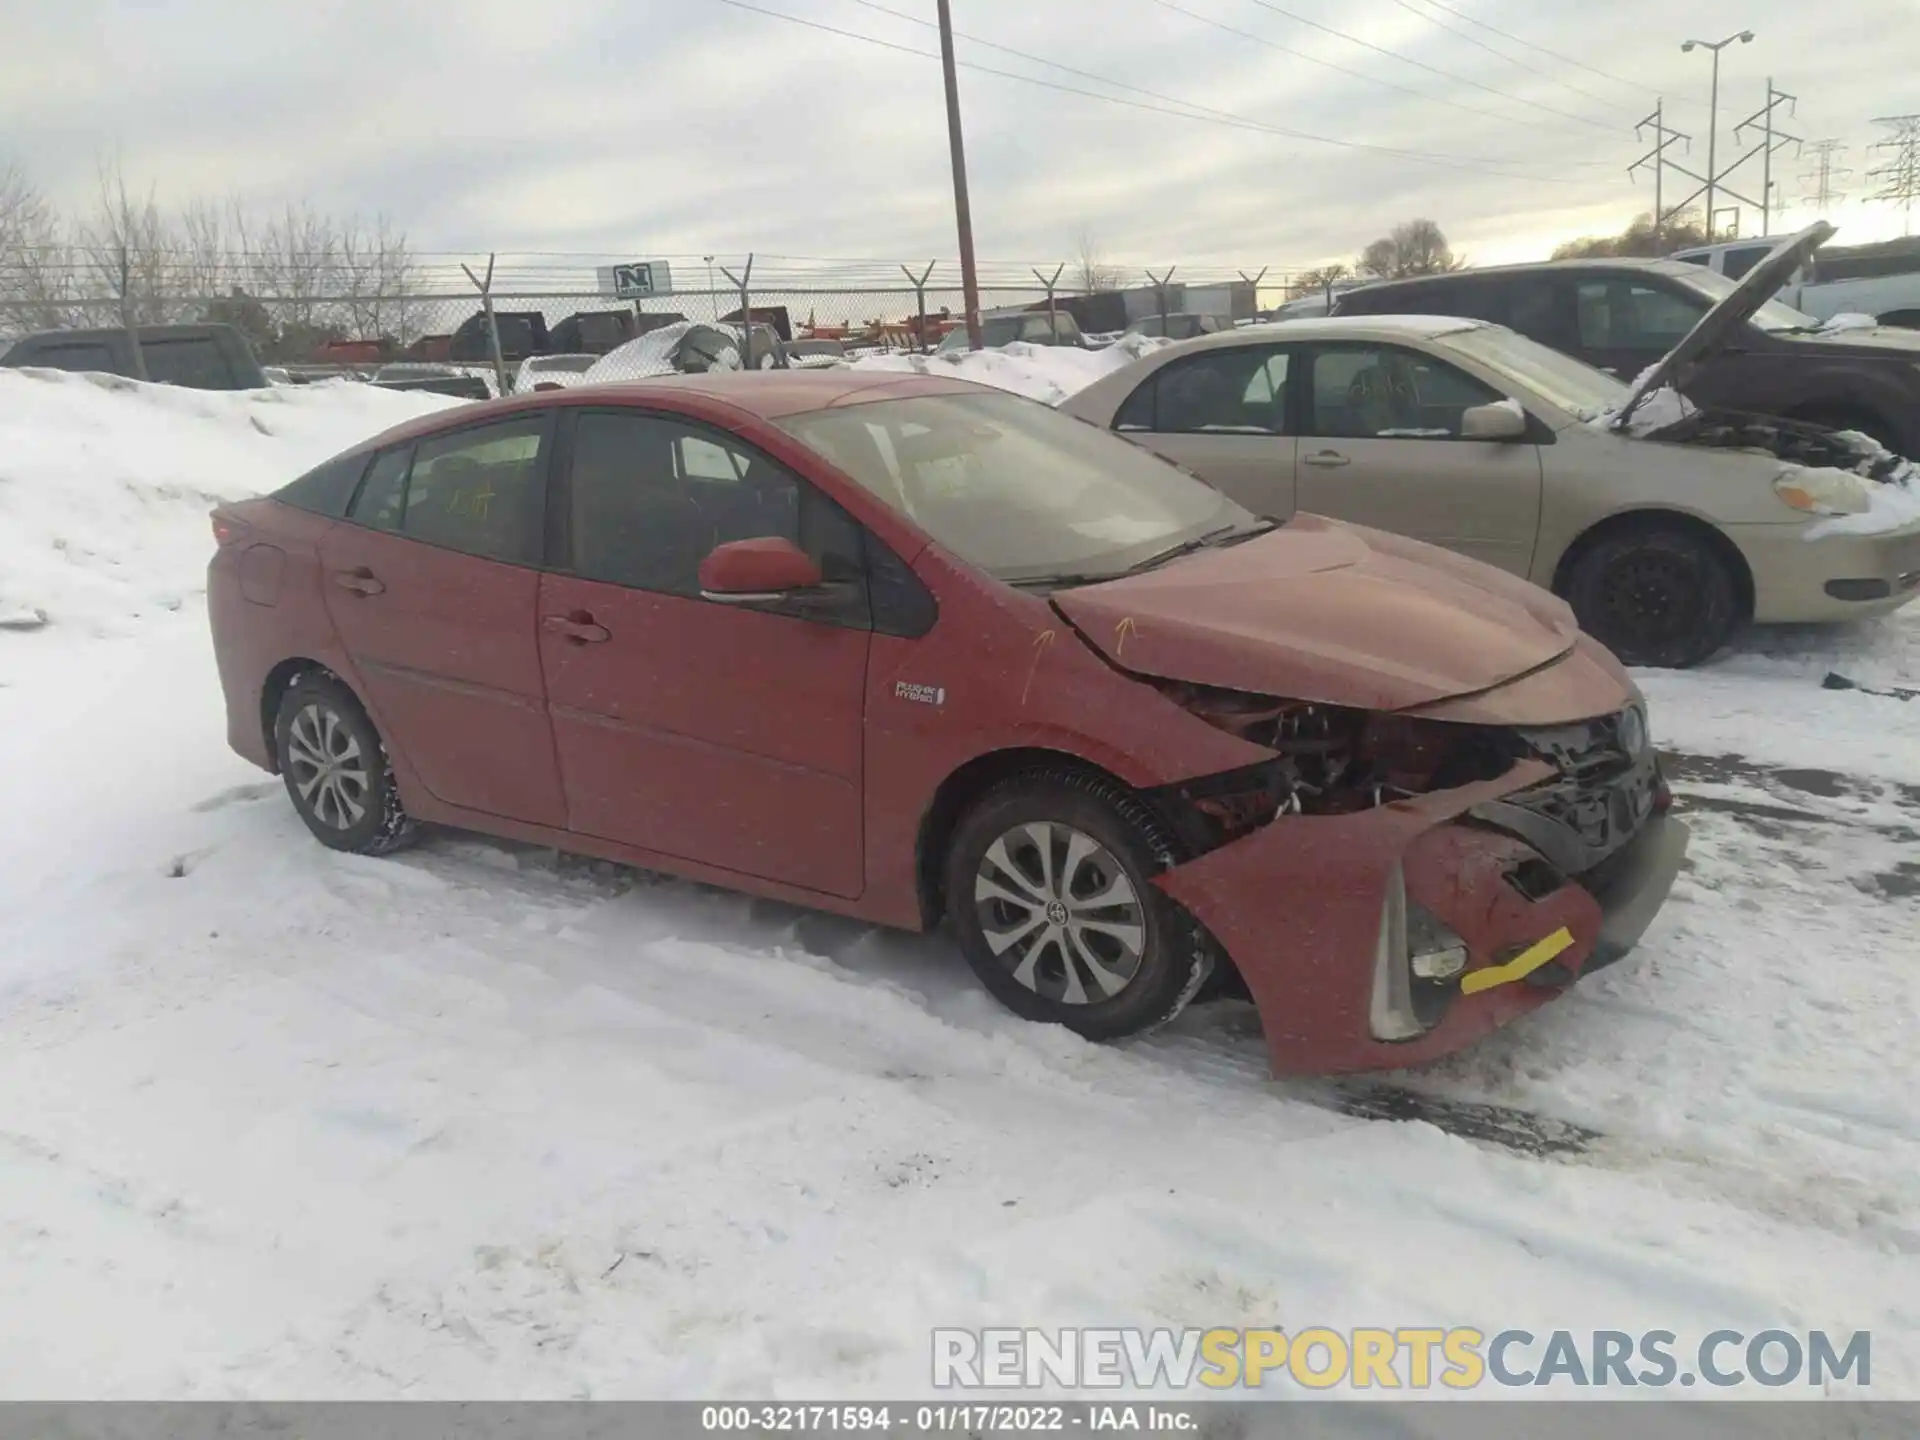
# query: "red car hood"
[[1328, 612]]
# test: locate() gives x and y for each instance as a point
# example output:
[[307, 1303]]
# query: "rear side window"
[[196, 364], [87, 356], [1239, 391], [1618, 314], [481, 491], [327, 489], [1739, 262]]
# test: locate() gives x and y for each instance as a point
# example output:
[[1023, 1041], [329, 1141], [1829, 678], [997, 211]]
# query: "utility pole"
[[962, 210], [1657, 157], [1763, 117], [1821, 193], [1713, 111], [1899, 176]]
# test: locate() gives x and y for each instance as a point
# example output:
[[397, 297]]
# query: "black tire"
[[352, 805], [1174, 954], [1654, 595]]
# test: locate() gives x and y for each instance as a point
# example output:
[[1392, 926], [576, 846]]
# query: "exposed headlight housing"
[[1633, 731], [1416, 962]]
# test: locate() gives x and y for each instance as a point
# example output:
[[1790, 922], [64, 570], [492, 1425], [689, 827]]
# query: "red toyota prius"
[[908, 649]]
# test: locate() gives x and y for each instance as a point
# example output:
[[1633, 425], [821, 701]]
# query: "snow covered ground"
[[485, 1121]]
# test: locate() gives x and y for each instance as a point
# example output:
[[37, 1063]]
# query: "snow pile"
[[105, 483], [1041, 372]]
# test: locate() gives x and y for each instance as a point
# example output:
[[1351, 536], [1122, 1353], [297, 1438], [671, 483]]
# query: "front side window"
[[1739, 262], [1382, 392], [1618, 314], [650, 497], [1016, 488], [478, 491]]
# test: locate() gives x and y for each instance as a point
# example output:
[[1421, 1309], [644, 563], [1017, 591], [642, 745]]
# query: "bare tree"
[[1090, 267], [1417, 247], [1322, 280]]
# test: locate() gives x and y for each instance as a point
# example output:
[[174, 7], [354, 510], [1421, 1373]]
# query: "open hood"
[[1326, 612], [1758, 286]]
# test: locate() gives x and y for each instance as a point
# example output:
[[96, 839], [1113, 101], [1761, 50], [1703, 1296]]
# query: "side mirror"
[[745, 572], [1503, 421]]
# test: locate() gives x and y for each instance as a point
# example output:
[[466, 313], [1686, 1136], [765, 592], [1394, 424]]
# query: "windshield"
[[1561, 380], [1770, 316], [1017, 489]]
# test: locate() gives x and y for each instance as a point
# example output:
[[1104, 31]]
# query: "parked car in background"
[[552, 372], [689, 348], [1623, 315], [434, 379], [1029, 327], [812, 354], [592, 332], [1178, 326], [1881, 282], [1473, 437], [522, 333], [196, 357], [906, 648]]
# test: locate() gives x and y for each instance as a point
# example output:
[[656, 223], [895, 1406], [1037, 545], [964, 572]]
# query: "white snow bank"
[[1041, 372], [105, 483]]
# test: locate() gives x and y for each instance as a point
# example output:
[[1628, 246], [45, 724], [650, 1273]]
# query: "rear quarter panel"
[[255, 629]]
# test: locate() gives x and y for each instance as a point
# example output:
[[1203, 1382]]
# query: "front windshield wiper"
[[1225, 535]]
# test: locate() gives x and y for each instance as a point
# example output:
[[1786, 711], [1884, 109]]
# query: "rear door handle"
[[360, 581], [1326, 459], [578, 627]]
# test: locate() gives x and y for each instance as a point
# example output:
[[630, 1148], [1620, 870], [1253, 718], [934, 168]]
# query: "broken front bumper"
[[1305, 905]]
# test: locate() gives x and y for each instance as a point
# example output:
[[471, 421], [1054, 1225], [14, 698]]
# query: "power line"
[[1216, 118], [1431, 69], [1552, 54], [1331, 65], [1531, 69]]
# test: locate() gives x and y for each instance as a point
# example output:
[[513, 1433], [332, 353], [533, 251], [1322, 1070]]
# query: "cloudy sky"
[[676, 127]]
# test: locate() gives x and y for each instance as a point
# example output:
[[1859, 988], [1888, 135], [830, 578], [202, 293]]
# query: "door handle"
[[578, 627], [1326, 459], [359, 580]]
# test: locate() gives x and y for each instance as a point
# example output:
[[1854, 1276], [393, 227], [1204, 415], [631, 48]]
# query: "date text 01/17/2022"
[[947, 1419]]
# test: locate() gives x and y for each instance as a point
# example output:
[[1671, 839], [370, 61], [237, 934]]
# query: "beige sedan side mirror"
[[1503, 421]]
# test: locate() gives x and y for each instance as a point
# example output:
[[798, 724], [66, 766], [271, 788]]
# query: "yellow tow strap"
[[1521, 966]]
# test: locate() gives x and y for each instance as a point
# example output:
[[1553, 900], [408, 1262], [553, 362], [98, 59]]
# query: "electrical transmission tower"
[[1821, 181], [1762, 119], [1899, 175], [1657, 158]]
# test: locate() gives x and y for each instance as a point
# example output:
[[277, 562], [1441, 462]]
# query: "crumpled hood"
[[1324, 611]]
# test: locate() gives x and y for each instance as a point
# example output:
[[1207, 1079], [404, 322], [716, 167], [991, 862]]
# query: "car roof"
[[1335, 327], [1602, 262], [765, 394]]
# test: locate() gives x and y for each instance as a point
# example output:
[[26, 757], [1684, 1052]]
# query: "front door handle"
[[578, 627], [1326, 459], [359, 580]]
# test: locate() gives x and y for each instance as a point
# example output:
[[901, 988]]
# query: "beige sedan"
[[1475, 438]]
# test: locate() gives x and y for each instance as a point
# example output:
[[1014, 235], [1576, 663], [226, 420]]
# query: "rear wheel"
[[336, 768], [1654, 595], [1049, 881]]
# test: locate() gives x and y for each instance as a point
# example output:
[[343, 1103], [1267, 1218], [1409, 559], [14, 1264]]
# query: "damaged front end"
[[1798, 442], [1392, 887]]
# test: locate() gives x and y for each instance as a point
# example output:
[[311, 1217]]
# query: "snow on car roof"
[[1422, 327]]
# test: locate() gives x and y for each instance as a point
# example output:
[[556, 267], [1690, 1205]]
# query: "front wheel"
[[1654, 596], [1049, 881]]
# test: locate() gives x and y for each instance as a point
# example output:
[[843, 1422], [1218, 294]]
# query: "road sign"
[[638, 280]]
